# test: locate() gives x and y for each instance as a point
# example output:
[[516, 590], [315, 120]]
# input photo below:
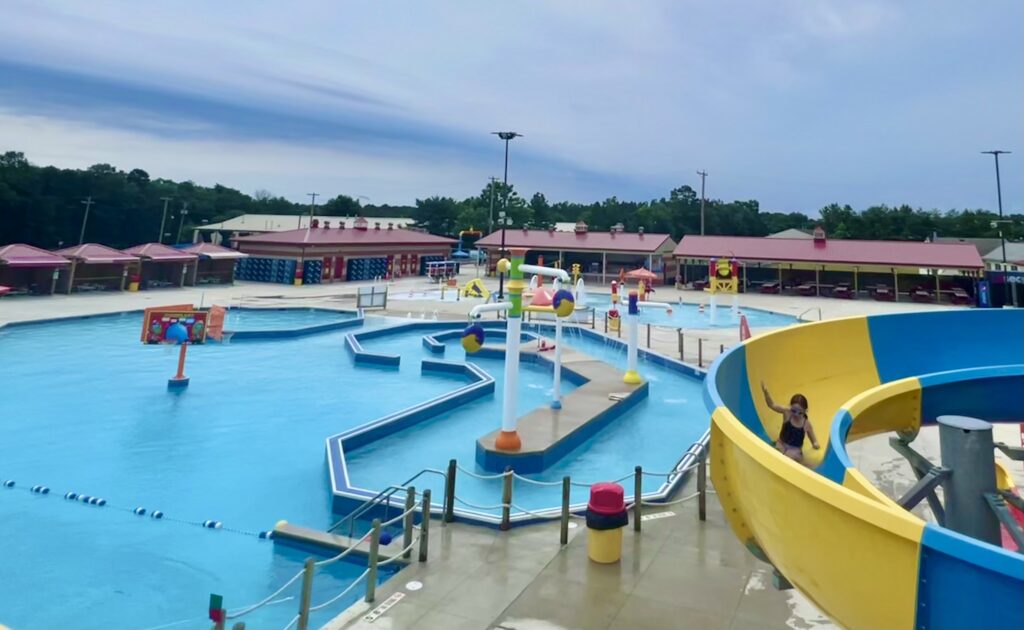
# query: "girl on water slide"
[[795, 424]]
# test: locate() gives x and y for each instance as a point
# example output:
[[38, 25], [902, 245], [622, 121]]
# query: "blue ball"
[[176, 333], [473, 338], [563, 303], [386, 538]]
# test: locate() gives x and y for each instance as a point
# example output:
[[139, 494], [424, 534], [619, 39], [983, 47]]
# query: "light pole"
[[490, 217], [181, 224], [703, 175], [1002, 239], [160, 238], [312, 208], [507, 136], [87, 202]]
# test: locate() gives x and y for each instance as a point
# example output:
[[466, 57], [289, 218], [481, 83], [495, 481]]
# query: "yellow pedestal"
[[604, 545], [133, 286], [298, 282], [613, 323]]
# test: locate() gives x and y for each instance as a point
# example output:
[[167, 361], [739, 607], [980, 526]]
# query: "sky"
[[795, 103]]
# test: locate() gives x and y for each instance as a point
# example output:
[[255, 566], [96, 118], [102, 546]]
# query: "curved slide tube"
[[865, 561]]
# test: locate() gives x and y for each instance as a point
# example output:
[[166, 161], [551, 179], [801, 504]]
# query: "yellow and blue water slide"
[[865, 561]]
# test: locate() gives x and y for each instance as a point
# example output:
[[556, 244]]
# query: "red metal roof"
[[215, 252], [160, 253], [835, 251], [21, 255], [592, 241], [347, 236], [94, 253]]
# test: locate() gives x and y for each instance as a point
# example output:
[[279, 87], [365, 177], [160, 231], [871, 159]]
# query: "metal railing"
[[697, 453], [301, 620], [800, 317], [383, 498]]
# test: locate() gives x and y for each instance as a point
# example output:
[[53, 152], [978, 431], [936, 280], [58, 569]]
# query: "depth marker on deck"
[[379, 611], [656, 515]]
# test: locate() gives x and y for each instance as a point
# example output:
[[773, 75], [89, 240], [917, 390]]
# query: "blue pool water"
[[654, 434], [85, 409], [689, 315], [249, 319]]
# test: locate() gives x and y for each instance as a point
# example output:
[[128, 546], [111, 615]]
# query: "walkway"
[[676, 573]]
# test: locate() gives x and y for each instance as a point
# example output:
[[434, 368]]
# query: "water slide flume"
[[859, 556]]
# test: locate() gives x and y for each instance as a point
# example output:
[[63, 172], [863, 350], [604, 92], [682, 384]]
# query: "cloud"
[[794, 103]]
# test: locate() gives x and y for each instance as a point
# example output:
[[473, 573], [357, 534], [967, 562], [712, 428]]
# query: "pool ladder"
[[384, 498], [800, 317]]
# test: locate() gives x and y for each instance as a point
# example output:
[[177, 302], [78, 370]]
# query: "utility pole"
[[181, 224], [312, 208], [507, 136], [87, 202], [1002, 239], [166, 201], [490, 217], [703, 174]]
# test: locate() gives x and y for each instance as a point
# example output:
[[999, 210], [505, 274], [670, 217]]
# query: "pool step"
[[322, 542]]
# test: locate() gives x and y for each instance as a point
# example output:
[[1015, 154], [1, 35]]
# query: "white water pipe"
[[665, 306], [508, 403], [560, 276], [581, 292], [497, 307], [549, 272], [556, 392]]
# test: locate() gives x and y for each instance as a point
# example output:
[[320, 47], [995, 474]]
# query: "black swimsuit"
[[791, 435]]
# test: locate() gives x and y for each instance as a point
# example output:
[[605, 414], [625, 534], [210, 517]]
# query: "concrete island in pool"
[[863, 559]]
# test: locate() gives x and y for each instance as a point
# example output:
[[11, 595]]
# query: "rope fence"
[[698, 453], [368, 577]]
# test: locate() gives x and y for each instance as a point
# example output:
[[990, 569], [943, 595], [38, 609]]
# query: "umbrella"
[[642, 274]]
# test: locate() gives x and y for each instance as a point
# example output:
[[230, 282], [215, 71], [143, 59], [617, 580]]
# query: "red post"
[[179, 381], [181, 362]]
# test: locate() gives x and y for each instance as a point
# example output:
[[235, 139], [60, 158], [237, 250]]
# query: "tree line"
[[41, 205]]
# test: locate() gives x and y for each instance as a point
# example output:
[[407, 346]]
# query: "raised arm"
[[810, 433], [771, 403]]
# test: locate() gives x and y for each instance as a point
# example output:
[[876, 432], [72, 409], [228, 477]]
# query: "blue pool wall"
[[347, 497]]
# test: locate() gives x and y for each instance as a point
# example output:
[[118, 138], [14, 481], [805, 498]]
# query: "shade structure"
[[641, 274]]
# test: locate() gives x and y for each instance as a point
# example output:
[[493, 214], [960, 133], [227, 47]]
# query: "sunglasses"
[[797, 411]]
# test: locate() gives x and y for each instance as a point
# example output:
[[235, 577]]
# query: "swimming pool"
[[654, 434], [264, 319], [690, 315], [86, 410]]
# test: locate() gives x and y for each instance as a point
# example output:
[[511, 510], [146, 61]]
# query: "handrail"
[[380, 498], [800, 317]]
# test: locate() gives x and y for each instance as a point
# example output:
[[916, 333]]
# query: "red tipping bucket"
[[606, 499]]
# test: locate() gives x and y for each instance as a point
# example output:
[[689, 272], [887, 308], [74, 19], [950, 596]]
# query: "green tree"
[[437, 215]]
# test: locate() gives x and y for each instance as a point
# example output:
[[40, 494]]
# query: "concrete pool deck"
[[677, 573]]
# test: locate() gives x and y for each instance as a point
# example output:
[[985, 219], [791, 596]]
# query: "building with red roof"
[[335, 253], [820, 266], [96, 267], [216, 264], [25, 269], [601, 255], [163, 266]]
